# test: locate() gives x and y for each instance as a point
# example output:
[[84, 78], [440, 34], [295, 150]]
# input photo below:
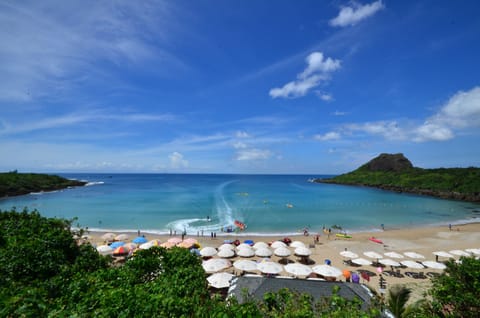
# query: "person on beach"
[[450, 227]]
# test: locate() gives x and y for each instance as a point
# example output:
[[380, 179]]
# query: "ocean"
[[267, 204]]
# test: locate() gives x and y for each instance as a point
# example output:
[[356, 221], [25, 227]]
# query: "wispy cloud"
[[177, 161], [332, 135], [318, 69], [351, 15], [253, 154]]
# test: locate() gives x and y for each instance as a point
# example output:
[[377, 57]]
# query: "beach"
[[423, 240]]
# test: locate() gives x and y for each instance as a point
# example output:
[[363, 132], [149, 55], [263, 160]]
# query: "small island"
[[14, 183], [394, 172]]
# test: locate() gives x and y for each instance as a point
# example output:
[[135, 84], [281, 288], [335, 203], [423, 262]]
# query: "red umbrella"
[[120, 251]]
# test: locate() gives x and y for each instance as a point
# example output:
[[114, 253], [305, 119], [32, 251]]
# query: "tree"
[[397, 299]]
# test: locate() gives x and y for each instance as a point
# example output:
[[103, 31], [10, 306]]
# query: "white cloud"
[[240, 145], [429, 131], [253, 154], [242, 134], [338, 113], [325, 97], [318, 69], [388, 129], [328, 136], [177, 161], [355, 13]]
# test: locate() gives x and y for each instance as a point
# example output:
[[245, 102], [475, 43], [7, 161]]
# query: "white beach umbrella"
[[104, 249], [264, 252], [174, 240], [227, 246], [130, 246], [146, 246], [244, 245], [108, 236], [361, 261], [442, 254], [296, 244], [269, 267], [434, 265], [260, 245], [282, 252], [215, 265], [459, 253], [303, 251], [220, 280], [388, 262], [372, 254], [245, 265], [413, 255], [278, 244], [208, 251], [412, 264], [348, 254], [246, 252], [475, 251], [327, 270], [122, 237], [298, 269], [226, 253], [393, 255]]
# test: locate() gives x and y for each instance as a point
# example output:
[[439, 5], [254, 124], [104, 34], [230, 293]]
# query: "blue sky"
[[237, 86]]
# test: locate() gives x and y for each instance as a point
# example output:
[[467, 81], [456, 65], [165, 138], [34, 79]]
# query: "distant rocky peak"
[[389, 162]]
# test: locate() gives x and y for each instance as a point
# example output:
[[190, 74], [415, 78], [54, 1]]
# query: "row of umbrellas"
[[244, 250], [414, 255]]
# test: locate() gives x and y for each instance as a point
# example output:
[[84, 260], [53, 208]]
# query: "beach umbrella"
[[282, 252], [393, 255], [104, 249], [86, 237], [372, 254], [388, 262], [195, 251], [269, 267], [245, 265], [120, 251], [154, 242], [215, 265], [296, 244], [413, 255], [114, 245], [434, 265], [442, 254], [108, 236], [226, 253], [185, 244], [302, 251], [355, 278], [346, 273], [459, 253], [244, 245], [412, 264], [208, 251], [139, 240], [327, 271], [298, 269], [167, 244], [246, 252], [475, 251], [249, 242], [263, 252], [191, 240], [278, 244], [260, 245], [175, 240], [220, 280], [361, 261], [130, 246], [122, 237], [348, 254], [227, 246], [146, 246]]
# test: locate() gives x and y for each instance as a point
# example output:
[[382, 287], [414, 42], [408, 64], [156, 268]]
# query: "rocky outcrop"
[[389, 162]]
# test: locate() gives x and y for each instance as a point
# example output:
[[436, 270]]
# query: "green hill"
[[14, 183], [396, 173]]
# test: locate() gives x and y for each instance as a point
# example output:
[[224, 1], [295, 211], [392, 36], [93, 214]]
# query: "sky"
[[274, 87]]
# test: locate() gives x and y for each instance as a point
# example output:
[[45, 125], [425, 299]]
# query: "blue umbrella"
[[139, 240], [114, 245], [195, 251], [249, 242]]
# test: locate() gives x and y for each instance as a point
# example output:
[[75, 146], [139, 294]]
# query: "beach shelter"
[[186, 244], [282, 252], [303, 251], [244, 245], [104, 250], [146, 246], [434, 265], [215, 265], [412, 264], [139, 240], [373, 254], [263, 252], [361, 261], [393, 255], [346, 274], [327, 270], [167, 244], [388, 262], [355, 278], [475, 251], [130, 246], [296, 244], [226, 253], [220, 280], [249, 242], [108, 236], [245, 265], [442, 254], [120, 251], [260, 245], [175, 240], [191, 240], [227, 246], [246, 252], [413, 255], [348, 254], [208, 251], [114, 245], [122, 237], [278, 244], [268, 267], [459, 253], [298, 269]]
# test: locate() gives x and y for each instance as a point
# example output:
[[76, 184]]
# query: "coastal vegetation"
[[394, 172], [13, 183], [44, 272]]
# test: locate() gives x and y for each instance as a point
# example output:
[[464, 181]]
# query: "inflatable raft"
[[373, 239], [343, 235], [240, 225]]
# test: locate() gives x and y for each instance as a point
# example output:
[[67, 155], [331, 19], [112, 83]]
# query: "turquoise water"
[[268, 204]]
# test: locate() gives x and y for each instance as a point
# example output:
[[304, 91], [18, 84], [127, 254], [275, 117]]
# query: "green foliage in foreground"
[[14, 183], [461, 180]]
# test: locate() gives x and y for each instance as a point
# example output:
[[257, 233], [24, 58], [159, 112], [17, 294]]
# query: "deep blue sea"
[[267, 204]]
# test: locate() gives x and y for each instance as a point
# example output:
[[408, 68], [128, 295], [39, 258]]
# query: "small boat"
[[239, 224], [289, 205], [373, 239], [343, 235]]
